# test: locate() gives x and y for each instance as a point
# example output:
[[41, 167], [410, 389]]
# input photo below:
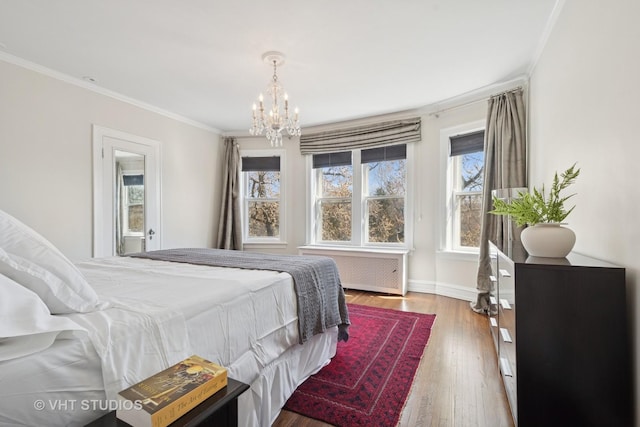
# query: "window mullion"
[[357, 203], [263, 199]]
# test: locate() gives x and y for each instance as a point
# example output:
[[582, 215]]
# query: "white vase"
[[548, 240]]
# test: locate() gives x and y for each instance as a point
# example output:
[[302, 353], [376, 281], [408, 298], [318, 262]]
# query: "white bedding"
[[160, 313], [46, 388]]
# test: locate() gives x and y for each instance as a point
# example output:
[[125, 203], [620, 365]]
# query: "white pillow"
[[26, 326], [31, 260]]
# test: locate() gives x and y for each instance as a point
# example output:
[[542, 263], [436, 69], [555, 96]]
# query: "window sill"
[[264, 245], [369, 249]]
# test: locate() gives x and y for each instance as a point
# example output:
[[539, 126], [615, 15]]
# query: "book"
[[166, 396]]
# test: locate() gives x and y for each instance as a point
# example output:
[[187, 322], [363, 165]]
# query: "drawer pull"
[[493, 322], [506, 336], [505, 273], [505, 368], [505, 304]]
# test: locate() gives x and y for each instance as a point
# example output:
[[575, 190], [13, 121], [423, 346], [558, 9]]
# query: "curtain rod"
[[466, 104], [515, 89]]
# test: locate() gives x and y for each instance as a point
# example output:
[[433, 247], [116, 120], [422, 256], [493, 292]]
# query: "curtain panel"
[[505, 166], [230, 226], [370, 136]]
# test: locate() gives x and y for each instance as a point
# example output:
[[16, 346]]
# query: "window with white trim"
[[333, 179], [262, 197], [384, 183], [133, 205], [465, 168], [359, 197]]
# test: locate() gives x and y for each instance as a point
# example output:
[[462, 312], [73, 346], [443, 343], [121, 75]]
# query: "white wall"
[[46, 161], [454, 273], [584, 108]]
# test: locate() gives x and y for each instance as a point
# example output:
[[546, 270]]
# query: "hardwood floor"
[[457, 383]]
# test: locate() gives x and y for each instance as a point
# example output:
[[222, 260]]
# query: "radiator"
[[368, 270]]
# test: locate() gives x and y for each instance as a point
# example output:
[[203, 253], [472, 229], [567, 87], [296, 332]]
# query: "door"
[[126, 193]]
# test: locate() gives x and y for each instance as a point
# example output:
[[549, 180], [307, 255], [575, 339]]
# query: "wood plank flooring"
[[457, 383]]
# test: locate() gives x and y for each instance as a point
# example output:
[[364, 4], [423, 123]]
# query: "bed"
[[119, 320]]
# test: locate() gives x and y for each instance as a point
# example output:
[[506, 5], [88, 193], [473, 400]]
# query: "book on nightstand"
[[166, 396]]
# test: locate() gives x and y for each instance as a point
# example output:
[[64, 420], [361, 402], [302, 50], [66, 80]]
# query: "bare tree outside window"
[[372, 185], [135, 208], [334, 205], [385, 201], [263, 198], [469, 197]]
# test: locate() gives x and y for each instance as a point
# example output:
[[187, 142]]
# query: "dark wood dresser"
[[561, 332]]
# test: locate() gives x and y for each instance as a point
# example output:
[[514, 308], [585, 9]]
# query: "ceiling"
[[201, 59]]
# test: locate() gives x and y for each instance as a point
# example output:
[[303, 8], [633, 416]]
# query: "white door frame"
[[105, 142]]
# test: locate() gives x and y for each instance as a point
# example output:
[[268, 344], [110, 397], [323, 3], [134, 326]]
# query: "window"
[[359, 197], [334, 178], [133, 201], [262, 190], [384, 178], [466, 171]]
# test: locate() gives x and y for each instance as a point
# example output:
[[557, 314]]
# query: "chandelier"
[[276, 120]]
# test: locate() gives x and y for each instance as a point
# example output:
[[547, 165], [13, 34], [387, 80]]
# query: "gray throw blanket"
[[320, 297]]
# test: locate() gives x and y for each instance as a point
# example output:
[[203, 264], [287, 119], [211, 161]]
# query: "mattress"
[[159, 313], [48, 388]]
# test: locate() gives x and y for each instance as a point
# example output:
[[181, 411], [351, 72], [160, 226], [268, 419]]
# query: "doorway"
[[126, 193]]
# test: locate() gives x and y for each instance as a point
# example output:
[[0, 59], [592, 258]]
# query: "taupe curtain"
[[369, 136], [230, 227], [505, 166]]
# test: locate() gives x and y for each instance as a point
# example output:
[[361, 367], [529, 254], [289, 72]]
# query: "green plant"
[[535, 207]]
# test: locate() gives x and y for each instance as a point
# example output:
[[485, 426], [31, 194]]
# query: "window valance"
[[370, 136], [325, 160], [381, 154], [467, 143], [260, 164], [133, 180]]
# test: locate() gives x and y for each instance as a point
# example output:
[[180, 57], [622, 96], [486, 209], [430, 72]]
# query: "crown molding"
[[6, 57], [542, 43]]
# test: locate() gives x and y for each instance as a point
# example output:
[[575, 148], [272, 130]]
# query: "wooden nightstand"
[[221, 409]]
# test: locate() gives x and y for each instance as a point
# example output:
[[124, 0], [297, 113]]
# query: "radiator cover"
[[376, 270]]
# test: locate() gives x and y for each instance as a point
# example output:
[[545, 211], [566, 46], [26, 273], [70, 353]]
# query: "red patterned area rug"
[[367, 382]]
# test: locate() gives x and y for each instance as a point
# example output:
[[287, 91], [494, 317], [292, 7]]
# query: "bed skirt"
[[262, 403]]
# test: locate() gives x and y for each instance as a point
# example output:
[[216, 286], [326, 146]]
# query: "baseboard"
[[464, 293]]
